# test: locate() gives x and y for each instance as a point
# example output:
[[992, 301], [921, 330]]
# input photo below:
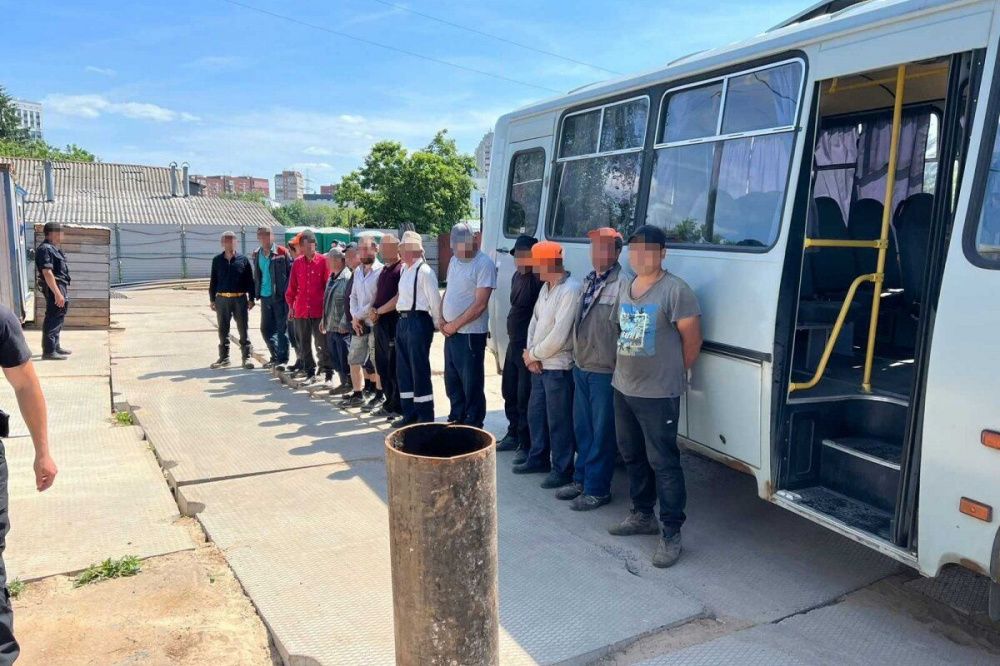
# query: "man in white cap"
[[419, 307], [472, 277]]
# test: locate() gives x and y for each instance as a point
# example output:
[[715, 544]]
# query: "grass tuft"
[[124, 418], [108, 569], [15, 588]]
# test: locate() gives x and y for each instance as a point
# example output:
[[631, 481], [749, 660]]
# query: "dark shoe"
[[520, 457], [295, 367], [373, 404], [221, 363], [589, 502], [341, 389], [247, 364], [668, 551], [391, 416], [403, 421], [269, 365], [508, 443], [381, 412], [554, 480], [57, 356], [64, 352], [636, 523], [353, 401], [528, 468], [570, 491]]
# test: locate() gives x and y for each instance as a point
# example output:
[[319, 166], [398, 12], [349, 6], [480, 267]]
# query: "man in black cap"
[[231, 293], [516, 382], [53, 273]]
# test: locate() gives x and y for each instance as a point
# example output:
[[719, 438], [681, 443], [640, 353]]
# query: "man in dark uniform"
[[15, 359], [231, 293], [53, 274]]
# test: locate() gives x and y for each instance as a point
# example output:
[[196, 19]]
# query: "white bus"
[[832, 192]]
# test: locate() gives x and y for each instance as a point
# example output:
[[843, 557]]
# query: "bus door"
[[522, 186]]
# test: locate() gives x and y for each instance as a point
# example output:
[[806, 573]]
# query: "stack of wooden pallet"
[[88, 253]]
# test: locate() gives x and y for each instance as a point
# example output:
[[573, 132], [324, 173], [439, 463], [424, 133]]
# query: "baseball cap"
[[546, 250], [649, 234], [229, 234], [603, 232], [335, 252], [523, 243], [296, 240], [307, 236]]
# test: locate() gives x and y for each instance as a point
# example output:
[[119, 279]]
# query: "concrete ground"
[[292, 490]]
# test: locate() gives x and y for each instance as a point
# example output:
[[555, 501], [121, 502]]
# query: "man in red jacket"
[[305, 297]]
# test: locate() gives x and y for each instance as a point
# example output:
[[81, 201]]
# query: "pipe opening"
[[439, 440]]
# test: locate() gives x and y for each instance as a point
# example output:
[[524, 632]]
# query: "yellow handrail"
[[881, 244]]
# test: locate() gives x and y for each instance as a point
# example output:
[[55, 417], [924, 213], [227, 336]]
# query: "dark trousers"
[[551, 425], [413, 366], [228, 308], [336, 346], [385, 359], [8, 645], [291, 332], [55, 316], [273, 322], [516, 389], [307, 335], [647, 438], [465, 378], [594, 427]]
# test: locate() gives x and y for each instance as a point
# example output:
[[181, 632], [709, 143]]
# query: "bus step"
[[851, 512], [863, 468], [876, 450]]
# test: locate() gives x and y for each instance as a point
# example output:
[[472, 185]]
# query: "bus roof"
[[819, 22]]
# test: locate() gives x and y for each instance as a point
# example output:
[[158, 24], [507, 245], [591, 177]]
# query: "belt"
[[407, 313], [231, 294]]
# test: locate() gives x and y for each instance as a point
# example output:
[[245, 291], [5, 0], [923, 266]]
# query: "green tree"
[[429, 188], [10, 121], [298, 214], [39, 150]]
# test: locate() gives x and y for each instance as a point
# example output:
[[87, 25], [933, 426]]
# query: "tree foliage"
[[15, 141], [10, 121], [298, 214], [429, 188]]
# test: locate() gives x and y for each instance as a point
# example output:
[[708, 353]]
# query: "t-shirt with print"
[[14, 350], [464, 277], [650, 358]]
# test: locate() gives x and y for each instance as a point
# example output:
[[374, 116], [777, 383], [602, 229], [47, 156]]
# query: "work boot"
[[589, 502], [636, 523], [223, 362], [554, 480], [403, 421], [520, 457], [529, 468], [54, 356], [570, 491], [668, 551], [508, 443], [64, 352]]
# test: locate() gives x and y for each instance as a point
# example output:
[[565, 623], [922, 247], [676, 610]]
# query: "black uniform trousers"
[[515, 387], [385, 359], [414, 334], [228, 308], [8, 644], [55, 316]]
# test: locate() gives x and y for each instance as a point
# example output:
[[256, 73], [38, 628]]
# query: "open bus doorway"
[[848, 437]]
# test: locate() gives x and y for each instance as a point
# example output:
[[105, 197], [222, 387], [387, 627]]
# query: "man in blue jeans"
[[595, 333], [549, 357], [660, 323], [271, 264], [472, 277]]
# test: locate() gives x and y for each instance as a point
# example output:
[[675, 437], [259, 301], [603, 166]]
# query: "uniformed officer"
[[15, 359], [419, 307], [231, 293], [53, 274]]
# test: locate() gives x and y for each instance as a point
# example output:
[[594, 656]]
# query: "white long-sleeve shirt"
[[363, 290], [550, 333], [419, 279]]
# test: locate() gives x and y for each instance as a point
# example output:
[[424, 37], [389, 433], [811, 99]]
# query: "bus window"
[[987, 233], [524, 195], [597, 169], [721, 164]]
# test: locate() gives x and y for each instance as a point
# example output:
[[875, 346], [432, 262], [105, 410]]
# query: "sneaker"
[[247, 364], [221, 363], [64, 352], [381, 412], [668, 551], [589, 502], [554, 480], [636, 523], [528, 468], [508, 443], [520, 457], [353, 401], [570, 491], [373, 404]]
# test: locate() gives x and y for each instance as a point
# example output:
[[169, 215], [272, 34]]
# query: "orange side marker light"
[[990, 438], [977, 510]]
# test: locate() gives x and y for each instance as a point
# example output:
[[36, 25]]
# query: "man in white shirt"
[[419, 307], [549, 357], [472, 277], [362, 295]]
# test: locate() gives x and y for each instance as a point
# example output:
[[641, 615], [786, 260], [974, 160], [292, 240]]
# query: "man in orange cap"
[[549, 356]]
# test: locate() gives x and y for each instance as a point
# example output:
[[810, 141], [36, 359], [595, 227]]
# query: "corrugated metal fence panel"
[[431, 251]]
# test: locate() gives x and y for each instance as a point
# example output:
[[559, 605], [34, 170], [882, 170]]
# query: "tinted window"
[[596, 192], [524, 196], [692, 113], [624, 125], [763, 99], [987, 239], [579, 134]]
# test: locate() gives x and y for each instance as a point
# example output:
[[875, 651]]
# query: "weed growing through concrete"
[[108, 569], [124, 418], [15, 588]]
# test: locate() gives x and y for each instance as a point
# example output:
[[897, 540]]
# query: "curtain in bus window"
[[624, 125], [596, 192], [525, 193], [579, 135], [692, 113], [763, 99], [836, 164], [678, 194], [751, 189], [873, 158]]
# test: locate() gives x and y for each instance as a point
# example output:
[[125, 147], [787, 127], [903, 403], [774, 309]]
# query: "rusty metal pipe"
[[443, 544]]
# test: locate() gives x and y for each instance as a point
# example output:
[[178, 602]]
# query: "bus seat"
[[865, 223], [833, 268], [913, 230]]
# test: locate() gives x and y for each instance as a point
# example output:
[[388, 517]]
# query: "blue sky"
[[231, 90]]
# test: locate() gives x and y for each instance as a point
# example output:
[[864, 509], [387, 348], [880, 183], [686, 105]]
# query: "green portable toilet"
[[361, 233], [292, 232], [327, 236], [340, 235]]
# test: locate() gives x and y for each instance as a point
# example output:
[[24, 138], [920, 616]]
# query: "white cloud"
[[94, 106], [316, 150], [103, 71], [302, 166]]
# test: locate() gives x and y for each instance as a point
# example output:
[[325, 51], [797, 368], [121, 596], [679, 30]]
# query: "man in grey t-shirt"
[[472, 277], [660, 337]]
